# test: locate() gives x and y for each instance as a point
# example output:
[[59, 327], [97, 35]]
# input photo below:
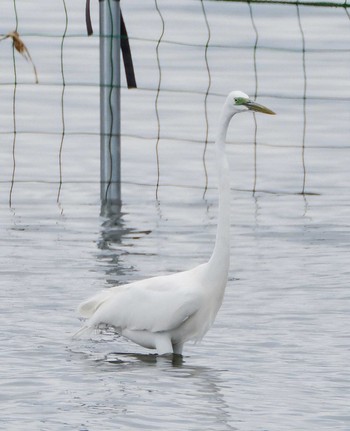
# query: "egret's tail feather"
[[88, 307]]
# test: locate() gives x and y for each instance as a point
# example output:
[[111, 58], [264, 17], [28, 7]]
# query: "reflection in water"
[[113, 231], [192, 394], [197, 389], [149, 358], [113, 225]]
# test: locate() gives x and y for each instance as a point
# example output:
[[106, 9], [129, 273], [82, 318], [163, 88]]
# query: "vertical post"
[[110, 103]]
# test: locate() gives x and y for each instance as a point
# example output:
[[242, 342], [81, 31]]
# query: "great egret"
[[164, 312]]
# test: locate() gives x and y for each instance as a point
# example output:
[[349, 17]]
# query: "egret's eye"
[[236, 99]]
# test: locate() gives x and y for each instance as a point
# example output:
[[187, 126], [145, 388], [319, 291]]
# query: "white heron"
[[164, 312]]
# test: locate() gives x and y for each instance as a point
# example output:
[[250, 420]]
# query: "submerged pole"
[[110, 104]]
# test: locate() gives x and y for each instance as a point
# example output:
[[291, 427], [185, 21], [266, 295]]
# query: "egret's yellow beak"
[[253, 106]]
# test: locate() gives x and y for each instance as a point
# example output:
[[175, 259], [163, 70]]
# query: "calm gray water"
[[277, 357]]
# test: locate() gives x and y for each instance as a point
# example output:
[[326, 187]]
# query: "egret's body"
[[164, 312]]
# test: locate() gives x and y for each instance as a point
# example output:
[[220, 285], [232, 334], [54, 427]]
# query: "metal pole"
[[110, 103]]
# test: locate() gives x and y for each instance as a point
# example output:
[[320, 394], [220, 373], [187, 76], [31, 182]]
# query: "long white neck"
[[218, 265]]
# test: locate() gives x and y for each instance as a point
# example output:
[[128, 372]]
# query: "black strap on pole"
[[127, 59], [88, 18], [124, 46]]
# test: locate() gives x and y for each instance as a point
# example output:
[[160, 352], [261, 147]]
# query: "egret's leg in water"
[[177, 348], [163, 344]]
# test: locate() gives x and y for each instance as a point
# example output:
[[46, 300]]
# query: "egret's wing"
[[156, 304]]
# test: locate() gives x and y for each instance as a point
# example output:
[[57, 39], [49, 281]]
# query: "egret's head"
[[238, 102]]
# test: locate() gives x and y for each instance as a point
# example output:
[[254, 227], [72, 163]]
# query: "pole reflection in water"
[[114, 232]]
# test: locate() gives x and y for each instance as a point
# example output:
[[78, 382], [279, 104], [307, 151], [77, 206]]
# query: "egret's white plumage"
[[164, 312]]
